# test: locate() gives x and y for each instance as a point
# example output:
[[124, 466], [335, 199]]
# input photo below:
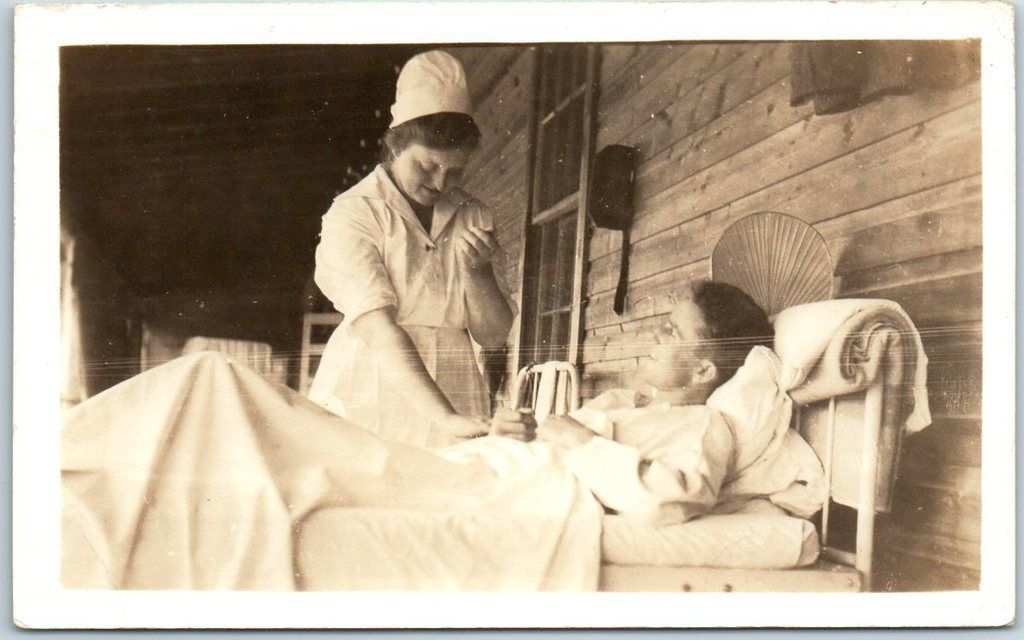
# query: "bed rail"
[[851, 411]]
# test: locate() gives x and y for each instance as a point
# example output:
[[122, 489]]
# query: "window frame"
[[575, 203]]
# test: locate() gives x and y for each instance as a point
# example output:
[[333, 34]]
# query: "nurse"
[[407, 257]]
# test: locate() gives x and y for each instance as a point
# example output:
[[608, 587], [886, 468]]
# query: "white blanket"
[[196, 475], [803, 332]]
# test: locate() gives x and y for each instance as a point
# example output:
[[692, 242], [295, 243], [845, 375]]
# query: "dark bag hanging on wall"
[[611, 203]]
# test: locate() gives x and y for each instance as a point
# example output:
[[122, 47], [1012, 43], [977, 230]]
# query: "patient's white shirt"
[[666, 464]]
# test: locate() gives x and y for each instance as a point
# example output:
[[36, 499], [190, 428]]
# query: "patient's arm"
[[564, 431], [675, 477], [558, 430], [405, 372]]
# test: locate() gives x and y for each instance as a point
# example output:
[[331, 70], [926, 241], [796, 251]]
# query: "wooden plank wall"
[[894, 186]]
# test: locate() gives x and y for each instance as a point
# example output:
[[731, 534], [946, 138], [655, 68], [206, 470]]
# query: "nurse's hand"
[[514, 423], [464, 427], [475, 246]]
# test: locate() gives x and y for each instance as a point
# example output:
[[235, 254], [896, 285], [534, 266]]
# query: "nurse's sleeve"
[[349, 261], [672, 484], [483, 217]]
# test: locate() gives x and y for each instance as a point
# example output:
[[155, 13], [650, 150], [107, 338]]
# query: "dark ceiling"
[[202, 171]]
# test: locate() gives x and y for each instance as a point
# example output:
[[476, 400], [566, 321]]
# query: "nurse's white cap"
[[431, 82]]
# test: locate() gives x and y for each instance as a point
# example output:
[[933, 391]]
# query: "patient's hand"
[[563, 431], [514, 423]]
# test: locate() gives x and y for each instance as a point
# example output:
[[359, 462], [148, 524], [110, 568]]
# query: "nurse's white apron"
[[374, 253], [352, 383]]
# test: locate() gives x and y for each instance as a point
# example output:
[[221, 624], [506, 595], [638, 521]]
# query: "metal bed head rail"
[[851, 410]]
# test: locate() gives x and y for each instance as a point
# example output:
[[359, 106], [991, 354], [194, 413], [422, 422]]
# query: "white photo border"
[[40, 31]]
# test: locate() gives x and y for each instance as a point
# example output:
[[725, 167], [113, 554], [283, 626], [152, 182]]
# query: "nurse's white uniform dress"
[[374, 253]]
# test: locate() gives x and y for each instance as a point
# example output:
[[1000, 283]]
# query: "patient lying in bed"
[[201, 474], [709, 433]]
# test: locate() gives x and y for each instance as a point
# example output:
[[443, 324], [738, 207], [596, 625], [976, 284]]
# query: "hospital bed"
[[856, 390], [851, 407], [201, 474]]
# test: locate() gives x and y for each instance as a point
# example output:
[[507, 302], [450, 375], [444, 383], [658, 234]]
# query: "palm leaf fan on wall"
[[779, 260]]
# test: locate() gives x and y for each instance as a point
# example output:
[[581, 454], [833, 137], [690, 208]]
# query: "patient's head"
[[705, 340]]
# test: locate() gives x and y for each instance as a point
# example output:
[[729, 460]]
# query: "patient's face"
[[675, 354]]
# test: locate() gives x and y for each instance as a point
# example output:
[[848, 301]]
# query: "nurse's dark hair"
[[443, 131], [733, 325]]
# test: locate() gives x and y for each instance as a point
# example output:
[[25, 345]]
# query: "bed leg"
[[828, 462], [868, 482]]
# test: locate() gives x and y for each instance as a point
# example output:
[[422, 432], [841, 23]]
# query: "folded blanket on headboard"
[[826, 341]]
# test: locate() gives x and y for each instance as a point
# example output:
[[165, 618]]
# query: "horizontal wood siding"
[[894, 186]]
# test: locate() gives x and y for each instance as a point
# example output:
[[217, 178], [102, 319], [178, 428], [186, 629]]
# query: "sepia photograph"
[[624, 317]]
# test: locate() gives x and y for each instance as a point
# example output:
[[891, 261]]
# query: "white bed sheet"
[[196, 474], [372, 549]]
